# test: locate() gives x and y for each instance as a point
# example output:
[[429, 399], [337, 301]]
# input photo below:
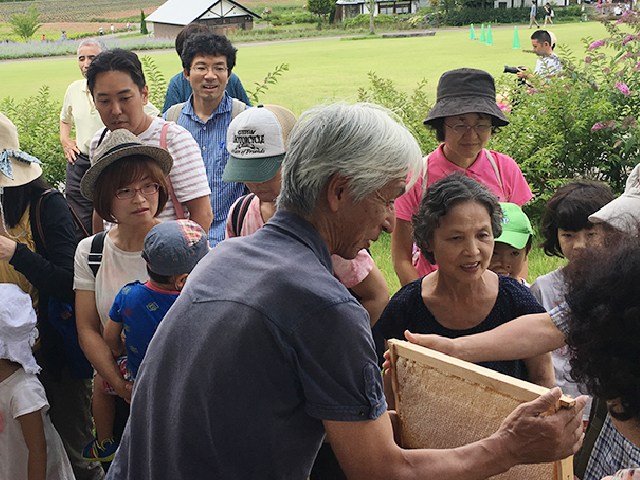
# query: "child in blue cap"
[[172, 250]]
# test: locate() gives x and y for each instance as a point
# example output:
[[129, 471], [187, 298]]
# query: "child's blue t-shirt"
[[140, 308]]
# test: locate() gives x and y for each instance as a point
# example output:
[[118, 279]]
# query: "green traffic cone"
[[516, 40], [472, 36], [489, 40], [482, 39]]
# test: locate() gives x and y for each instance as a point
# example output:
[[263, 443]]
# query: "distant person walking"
[[548, 14], [532, 15]]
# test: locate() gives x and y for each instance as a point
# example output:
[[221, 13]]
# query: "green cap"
[[516, 227]]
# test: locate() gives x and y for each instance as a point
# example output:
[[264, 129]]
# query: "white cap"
[[623, 213], [257, 142], [18, 331]]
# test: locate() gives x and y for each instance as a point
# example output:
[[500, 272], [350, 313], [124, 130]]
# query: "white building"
[[221, 16]]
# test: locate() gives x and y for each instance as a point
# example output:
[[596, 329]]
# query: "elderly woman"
[[37, 242], [455, 229], [464, 117], [127, 184]]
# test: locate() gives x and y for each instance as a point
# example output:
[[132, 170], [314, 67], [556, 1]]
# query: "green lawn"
[[323, 71]]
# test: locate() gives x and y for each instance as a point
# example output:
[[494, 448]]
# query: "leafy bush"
[[410, 108], [38, 122], [580, 124], [467, 15]]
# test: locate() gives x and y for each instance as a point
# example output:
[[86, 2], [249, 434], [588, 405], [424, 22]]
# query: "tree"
[[372, 6], [143, 24], [25, 25], [321, 7]]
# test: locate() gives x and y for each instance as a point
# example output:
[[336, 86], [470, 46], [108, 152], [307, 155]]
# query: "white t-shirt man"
[[188, 175]]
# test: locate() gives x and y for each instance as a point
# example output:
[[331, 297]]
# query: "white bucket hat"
[[18, 331], [623, 213]]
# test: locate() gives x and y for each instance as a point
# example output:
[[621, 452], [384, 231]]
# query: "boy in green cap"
[[512, 248]]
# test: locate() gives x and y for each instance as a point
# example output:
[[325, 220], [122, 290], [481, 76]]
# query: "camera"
[[514, 70]]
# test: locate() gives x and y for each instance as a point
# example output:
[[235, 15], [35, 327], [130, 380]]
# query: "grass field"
[[324, 71]]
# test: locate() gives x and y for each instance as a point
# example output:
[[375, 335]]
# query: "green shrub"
[[38, 122], [581, 124], [410, 108]]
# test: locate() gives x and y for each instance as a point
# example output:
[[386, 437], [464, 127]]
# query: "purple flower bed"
[[13, 50]]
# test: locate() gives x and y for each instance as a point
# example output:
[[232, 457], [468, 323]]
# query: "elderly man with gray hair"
[[265, 352], [78, 108]]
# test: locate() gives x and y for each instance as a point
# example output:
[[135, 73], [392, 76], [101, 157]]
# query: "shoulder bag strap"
[[425, 175], [173, 114], [240, 212], [495, 169], [38, 218], [237, 107], [94, 259], [104, 132], [163, 144]]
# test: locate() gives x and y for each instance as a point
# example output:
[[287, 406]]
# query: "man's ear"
[[145, 94], [185, 72], [337, 192]]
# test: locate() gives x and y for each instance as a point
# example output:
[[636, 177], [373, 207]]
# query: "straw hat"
[[17, 168], [119, 144], [466, 90]]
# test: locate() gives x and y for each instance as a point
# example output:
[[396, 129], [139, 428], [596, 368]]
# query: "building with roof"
[[221, 16]]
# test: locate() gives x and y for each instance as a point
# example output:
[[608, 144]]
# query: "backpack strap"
[[237, 107], [176, 204], [104, 132], [173, 114], [94, 259], [240, 212]]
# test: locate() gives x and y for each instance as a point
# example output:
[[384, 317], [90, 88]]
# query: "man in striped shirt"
[[207, 60], [119, 91]]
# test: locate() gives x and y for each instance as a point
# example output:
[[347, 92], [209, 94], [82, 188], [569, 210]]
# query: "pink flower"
[[587, 59], [606, 70], [602, 125], [627, 39], [594, 85], [623, 88], [597, 44]]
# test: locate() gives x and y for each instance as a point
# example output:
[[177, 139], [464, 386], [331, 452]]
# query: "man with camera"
[[548, 62]]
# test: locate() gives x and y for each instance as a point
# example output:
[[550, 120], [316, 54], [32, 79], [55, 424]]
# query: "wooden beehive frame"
[[463, 376]]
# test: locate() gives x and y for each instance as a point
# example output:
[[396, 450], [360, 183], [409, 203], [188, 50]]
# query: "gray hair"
[[360, 142], [444, 195], [92, 41]]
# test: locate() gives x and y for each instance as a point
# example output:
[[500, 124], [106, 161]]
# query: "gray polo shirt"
[[262, 345]]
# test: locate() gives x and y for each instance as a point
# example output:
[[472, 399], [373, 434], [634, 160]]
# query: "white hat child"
[[18, 330], [623, 213]]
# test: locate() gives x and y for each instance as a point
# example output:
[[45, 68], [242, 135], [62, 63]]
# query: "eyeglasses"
[[203, 69], [146, 190], [461, 129]]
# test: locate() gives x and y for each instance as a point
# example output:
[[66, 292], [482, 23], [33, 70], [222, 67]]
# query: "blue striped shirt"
[[211, 137]]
